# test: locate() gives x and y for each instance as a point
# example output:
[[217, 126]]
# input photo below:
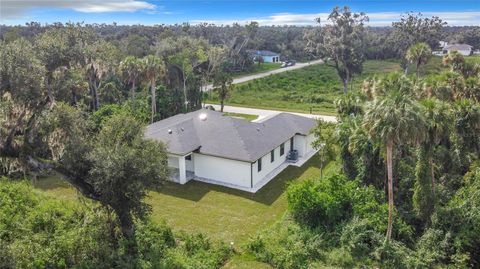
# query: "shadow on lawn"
[[195, 190]]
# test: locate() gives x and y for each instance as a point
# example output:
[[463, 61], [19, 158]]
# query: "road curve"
[[263, 113], [266, 74]]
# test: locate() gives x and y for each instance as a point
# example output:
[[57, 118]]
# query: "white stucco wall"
[[303, 144], [269, 59], [268, 166], [224, 170], [463, 52], [172, 160], [299, 144], [190, 165], [309, 141]]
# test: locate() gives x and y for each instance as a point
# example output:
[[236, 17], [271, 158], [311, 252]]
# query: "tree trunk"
[[185, 91], [321, 168], [345, 85], [433, 177], [128, 230], [48, 82], [95, 95], [132, 91], [390, 188], [418, 70], [154, 99]]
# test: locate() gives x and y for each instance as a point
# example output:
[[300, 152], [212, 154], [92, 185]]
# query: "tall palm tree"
[[419, 54], [131, 69], [153, 68], [393, 120], [222, 83], [437, 127]]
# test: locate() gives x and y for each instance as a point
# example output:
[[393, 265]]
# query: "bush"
[[324, 203], [288, 246], [393, 254], [360, 237]]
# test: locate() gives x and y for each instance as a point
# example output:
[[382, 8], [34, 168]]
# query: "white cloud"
[[12, 9], [376, 18]]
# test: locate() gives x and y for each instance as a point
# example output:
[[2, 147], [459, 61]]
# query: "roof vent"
[[258, 129], [169, 131], [202, 117], [181, 129]]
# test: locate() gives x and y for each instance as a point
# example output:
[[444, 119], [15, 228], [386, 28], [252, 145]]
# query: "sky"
[[266, 12]]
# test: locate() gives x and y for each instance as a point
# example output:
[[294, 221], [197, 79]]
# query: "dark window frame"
[[188, 157], [282, 149], [259, 165], [272, 156]]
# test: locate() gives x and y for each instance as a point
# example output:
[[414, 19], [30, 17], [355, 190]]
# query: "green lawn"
[[248, 117], [222, 213], [313, 87]]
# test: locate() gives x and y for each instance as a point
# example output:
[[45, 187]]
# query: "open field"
[[310, 88]]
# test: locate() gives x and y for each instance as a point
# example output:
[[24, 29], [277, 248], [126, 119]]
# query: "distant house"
[[207, 146], [268, 56], [463, 49]]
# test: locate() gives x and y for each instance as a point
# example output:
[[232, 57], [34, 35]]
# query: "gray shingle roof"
[[225, 136]]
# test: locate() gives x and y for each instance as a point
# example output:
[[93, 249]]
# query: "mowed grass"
[[248, 117], [313, 88], [221, 213]]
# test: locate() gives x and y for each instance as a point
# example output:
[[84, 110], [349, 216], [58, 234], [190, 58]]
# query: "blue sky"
[[266, 12]]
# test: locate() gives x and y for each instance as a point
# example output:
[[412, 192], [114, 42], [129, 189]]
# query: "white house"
[[207, 146], [463, 49], [268, 56]]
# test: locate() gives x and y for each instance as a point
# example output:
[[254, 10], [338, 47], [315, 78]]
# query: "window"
[[188, 157], [282, 149], [259, 164], [272, 156]]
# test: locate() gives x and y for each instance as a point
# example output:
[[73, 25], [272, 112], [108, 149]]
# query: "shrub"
[[324, 203], [360, 237]]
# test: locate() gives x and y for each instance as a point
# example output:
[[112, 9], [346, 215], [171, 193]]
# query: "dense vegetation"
[[75, 98], [403, 140], [38, 231]]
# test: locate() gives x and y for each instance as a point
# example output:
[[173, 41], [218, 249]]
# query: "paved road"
[[266, 74], [263, 113]]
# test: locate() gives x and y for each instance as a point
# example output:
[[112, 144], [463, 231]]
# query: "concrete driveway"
[[263, 113], [266, 74]]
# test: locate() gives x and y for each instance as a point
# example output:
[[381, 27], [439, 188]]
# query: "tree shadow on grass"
[[195, 190]]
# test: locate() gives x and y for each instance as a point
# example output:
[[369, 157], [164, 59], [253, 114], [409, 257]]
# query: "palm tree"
[[437, 127], [393, 120], [419, 54], [131, 69], [455, 60], [222, 83], [153, 68]]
